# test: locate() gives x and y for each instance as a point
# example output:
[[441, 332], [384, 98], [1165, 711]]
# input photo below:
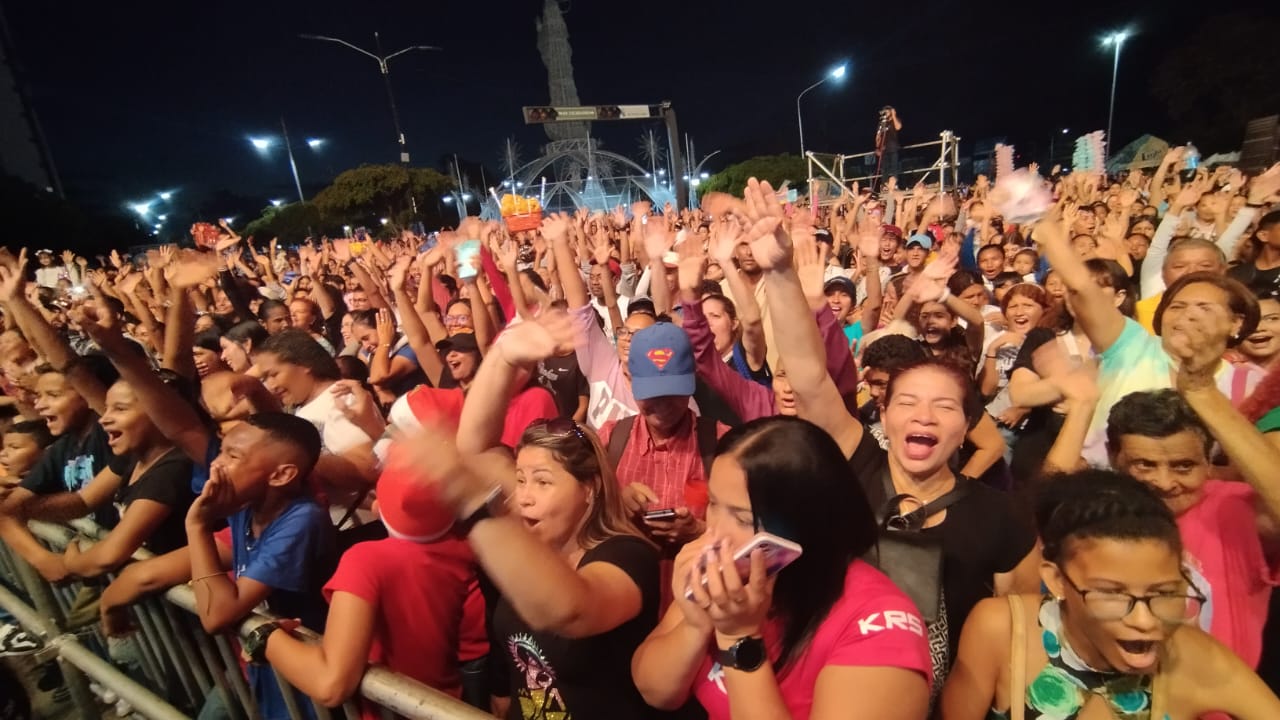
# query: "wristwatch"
[[747, 655], [254, 645], [495, 504]]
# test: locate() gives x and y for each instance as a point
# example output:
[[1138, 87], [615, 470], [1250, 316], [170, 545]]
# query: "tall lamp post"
[[264, 144], [386, 77], [1113, 40], [835, 74]]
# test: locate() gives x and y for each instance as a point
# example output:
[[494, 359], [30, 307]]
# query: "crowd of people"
[[895, 457]]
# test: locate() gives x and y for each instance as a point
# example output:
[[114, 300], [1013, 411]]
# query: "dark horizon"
[[164, 97]]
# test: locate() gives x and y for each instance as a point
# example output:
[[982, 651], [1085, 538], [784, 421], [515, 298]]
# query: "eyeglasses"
[[456, 319], [623, 332], [1172, 608]]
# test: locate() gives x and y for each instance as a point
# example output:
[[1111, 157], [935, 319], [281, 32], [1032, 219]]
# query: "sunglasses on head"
[[560, 427]]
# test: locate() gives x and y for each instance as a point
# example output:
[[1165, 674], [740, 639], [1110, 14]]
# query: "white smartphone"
[[778, 553]]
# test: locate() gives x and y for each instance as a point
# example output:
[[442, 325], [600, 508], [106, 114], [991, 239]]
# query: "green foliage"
[[774, 168], [363, 195], [1219, 76], [292, 223]]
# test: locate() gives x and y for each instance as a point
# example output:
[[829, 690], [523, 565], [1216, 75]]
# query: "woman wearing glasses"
[[1115, 636], [579, 585]]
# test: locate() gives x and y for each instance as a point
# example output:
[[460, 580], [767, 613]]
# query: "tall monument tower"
[[557, 56]]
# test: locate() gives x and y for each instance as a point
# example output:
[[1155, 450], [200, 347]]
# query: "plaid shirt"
[[673, 469]]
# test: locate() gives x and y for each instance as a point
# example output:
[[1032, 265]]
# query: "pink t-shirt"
[[611, 397], [872, 624], [1220, 536]]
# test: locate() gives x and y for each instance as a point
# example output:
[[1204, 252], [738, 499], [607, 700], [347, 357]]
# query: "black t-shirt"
[[168, 482], [562, 377], [981, 535], [70, 463], [550, 676], [1250, 275]]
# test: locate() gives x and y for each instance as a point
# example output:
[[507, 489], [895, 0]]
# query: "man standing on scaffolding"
[[887, 145]]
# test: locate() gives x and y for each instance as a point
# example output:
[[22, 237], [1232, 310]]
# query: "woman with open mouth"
[[1115, 636], [986, 548], [579, 585]]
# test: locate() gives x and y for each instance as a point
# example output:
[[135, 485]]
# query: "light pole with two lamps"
[[264, 144], [386, 77], [835, 74]]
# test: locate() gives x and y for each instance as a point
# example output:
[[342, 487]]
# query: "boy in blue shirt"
[[275, 554]]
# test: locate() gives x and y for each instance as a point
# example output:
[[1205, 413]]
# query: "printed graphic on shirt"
[[77, 473], [603, 407], [1195, 574], [539, 697]]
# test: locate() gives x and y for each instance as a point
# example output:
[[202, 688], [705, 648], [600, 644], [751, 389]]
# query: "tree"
[[363, 195], [292, 223], [1220, 77], [777, 169]]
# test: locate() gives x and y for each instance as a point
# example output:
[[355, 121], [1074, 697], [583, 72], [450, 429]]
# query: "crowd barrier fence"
[[174, 651]]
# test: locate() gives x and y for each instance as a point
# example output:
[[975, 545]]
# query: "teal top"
[[1063, 687]]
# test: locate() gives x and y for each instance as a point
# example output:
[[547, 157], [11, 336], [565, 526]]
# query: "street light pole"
[[1115, 39], [386, 77], [292, 164], [834, 74]]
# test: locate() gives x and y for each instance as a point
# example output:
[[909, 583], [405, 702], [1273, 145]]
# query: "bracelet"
[[191, 583]]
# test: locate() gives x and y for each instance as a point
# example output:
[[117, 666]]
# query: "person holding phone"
[[824, 633]]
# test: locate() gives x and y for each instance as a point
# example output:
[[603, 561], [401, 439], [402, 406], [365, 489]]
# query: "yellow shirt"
[[1145, 312]]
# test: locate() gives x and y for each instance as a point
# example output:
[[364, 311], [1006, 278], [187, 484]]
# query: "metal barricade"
[[179, 661], [838, 172]]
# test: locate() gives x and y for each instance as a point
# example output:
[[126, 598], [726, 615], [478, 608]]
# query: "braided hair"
[[1101, 504]]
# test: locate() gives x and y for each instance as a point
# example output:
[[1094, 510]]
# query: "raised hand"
[[618, 217], [68, 258], [770, 245], [190, 269], [1196, 338], [943, 267], [1265, 186], [807, 255], [12, 281], [399, 272], [555, 226], [528, 343], [692, 266], [657, 239]]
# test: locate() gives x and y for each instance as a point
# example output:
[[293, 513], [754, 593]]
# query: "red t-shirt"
[[445, 407], [419, 592], [872, 624], [1220, 535]]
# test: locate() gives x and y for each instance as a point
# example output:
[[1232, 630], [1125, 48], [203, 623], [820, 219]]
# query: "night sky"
[[163, 96]]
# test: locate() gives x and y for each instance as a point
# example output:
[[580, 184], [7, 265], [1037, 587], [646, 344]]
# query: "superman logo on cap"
[[660, 357]]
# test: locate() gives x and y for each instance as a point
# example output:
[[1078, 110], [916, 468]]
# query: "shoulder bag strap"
[[917, 518], [618, 439], [1239, 384], [707, 441], [1017, 658], [1158, 699]]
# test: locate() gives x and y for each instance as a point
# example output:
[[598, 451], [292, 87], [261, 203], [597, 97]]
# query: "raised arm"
[[544, 589], [799, 344], [725, 238], [411, 323], [51, 346], [1096, 313], [1197, 347], [555, 228], [184, 275], [172, 415]]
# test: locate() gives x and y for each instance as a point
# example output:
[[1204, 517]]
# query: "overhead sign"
[[551, 114]]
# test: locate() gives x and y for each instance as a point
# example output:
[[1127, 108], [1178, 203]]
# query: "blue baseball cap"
[[922, 240], [661, 362]]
